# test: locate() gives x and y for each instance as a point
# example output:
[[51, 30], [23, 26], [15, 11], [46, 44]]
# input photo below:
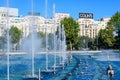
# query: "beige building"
[[39, 23], [89, 27], [11, 11]]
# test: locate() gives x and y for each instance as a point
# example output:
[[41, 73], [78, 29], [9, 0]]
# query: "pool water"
[[82, 66]]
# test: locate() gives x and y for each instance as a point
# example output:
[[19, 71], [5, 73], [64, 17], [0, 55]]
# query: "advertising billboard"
[[86, 15]]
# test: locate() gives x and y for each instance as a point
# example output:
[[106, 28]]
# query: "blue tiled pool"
[[82, 67]]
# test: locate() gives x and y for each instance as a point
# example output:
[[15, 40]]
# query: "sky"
[[99, 8]]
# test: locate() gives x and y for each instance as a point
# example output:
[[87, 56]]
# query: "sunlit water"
[[89, 69]]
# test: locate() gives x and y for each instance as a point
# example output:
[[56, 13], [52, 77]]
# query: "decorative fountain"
[[63, 46], [46, 44], [75, 67], [8, 40], [32, 37]]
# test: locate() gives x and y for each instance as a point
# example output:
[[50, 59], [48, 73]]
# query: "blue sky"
[[100, 8]]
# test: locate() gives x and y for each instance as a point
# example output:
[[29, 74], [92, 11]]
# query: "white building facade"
[[89, 27], [11, 11], [24, 23]]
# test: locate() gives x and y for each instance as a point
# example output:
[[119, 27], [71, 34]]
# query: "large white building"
[[11, 11], [24, 23], [88, 26]]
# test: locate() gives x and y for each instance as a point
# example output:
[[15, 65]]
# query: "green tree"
[[41, 34], [2, 42], [115, 21], [92, 44], [114, 24], [86, 42], [71, 30], [79, 44], [106, 38], [15, 35]]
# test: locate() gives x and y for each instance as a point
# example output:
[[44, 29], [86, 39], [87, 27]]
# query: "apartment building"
[[88, 26]]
